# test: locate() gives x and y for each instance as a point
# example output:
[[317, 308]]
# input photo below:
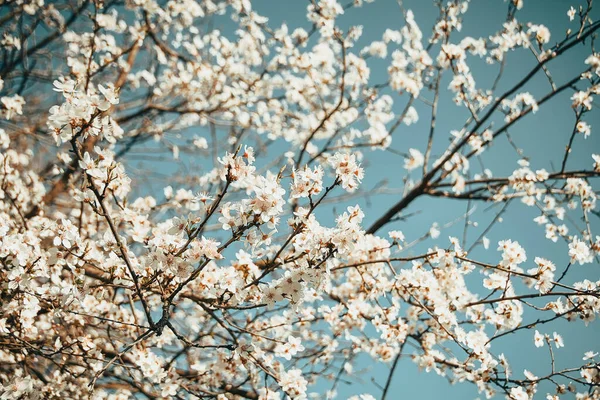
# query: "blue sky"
[[541, 136]]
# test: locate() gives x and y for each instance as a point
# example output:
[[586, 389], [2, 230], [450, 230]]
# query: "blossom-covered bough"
[[220, 275]]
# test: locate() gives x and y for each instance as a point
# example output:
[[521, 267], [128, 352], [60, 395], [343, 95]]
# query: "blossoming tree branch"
[[231, 279]]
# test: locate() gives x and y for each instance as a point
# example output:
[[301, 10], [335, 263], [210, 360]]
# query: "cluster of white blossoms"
[[82, 113], [307, 182], [189, 212], [516, 106], [347, 169], [410, 61], [414, 160]]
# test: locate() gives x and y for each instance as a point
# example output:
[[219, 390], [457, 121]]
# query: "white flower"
[[584, 128], [397, 236], [415, 159], [293, 383], [87, 163], [596, 158], [289, 349], [204, 247], [307, 182], [411, 116], [237, 167], [434, 231], [558, 340], [486, 242], [201, 143], [150, 365], [529, 375], [542, 34], [109, 93], [178, 225], [295, 344], [64, 85], [377, 49], [582, 99], [518, 393], [347, 169], [538, 339], [13, 105], [4, 139], [521, 103], [580, 252]]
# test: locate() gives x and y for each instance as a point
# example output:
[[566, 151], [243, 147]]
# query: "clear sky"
[[541, 136]]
